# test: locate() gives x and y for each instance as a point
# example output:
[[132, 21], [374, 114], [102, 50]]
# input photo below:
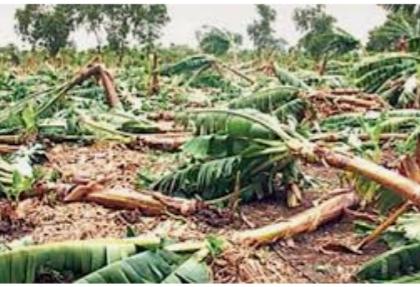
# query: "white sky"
[[186, 19]]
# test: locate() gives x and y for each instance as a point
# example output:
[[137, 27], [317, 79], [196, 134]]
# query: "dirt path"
[[299, 260]]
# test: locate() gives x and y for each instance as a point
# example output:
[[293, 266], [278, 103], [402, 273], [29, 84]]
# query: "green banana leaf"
[[154, 266], [187, 65], [22, 265], [393, 264], [266, 100]]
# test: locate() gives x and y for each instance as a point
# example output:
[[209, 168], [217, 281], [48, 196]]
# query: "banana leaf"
[[187, 65], [393, 264], [154, 266], [231, 143], [288, 78], [22, 265], [266, 100]]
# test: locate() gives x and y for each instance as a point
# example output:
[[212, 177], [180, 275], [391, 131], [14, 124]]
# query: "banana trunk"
[[306, 221]]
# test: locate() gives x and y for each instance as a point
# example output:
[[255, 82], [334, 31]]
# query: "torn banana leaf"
[[392, 265], [22, 265], [154, 266]]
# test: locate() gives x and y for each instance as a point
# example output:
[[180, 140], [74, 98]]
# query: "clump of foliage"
[[17, 176], [217, 41], [396, 34], [46, 26], [394, 76], [261, 31], [322, 40], [235, 150], [49, 26]]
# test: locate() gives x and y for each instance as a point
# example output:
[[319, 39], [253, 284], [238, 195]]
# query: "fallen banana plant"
[[197, 64], [42, 113], [149, 203], [84, 124], [400, 264], [410, 167], [147, 259], [91, 70], [152, 203], [295, 100], [218, 156], [398, 126], [391, 75], [272, 145], [399, 184]]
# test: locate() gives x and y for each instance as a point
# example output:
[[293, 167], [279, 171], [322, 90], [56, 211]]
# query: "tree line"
[[49, 26], [117, 25]]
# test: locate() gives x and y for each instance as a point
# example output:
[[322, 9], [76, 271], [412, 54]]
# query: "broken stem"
[[403, 186], [383, 226], [236, 72]]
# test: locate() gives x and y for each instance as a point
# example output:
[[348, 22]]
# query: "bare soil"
[[298, 260]]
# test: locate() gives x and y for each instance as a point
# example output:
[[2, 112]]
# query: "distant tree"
[[123, 23], [314, 22], [322, 40], [92, 17], [117, 26], [147, 23], [217, 41], [261, 31], [47, 26], [313, 18]]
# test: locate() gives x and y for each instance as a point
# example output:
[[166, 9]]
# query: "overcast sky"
[[186, 19]]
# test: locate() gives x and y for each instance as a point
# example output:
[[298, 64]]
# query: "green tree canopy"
[[315, 22], [313, 18], [321, 39], [261, 31], [46, 26], [92, 17], [147, 23], [49, 26], [123, 23]]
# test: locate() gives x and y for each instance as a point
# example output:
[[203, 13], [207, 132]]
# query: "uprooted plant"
[[268, 147]]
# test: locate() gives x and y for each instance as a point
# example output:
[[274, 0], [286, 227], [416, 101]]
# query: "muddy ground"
[[299, 260]]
